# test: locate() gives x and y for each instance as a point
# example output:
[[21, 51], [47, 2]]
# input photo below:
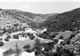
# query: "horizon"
[[41, 7]]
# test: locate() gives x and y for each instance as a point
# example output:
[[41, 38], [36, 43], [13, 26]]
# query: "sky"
[[41, 6]]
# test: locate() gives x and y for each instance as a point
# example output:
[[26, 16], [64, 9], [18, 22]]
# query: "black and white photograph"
[[39, 27]]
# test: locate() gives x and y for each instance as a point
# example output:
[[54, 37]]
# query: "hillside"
[[69, 20], [9, 17], [54, 22]]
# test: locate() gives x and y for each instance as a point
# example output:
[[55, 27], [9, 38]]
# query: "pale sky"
[[41, 6]]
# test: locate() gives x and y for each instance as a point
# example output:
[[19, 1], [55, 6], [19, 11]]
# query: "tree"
[[37, 46], [1, 43], [26, 46], [16, 27], [17, 50]]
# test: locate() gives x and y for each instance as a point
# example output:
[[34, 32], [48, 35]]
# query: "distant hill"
[[69, 20], [9, 17]]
